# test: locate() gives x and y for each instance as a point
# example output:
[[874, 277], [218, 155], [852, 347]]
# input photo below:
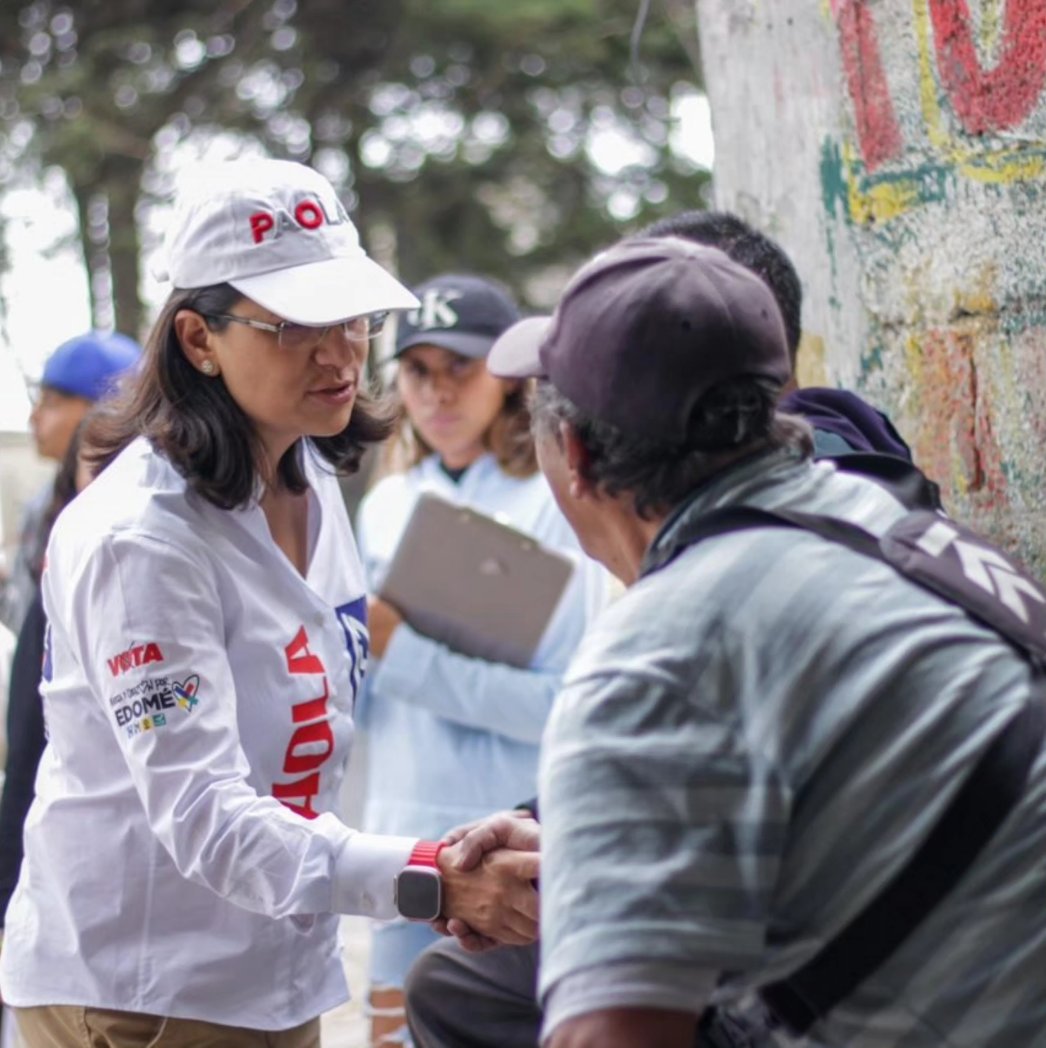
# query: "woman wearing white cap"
[[183, 868]]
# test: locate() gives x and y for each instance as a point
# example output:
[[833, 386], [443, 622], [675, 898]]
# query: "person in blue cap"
[[77, 375]]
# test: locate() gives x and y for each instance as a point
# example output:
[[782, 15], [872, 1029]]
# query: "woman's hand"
[[382, 620]]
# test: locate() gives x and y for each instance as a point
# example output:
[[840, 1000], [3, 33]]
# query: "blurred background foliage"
[[511, 137]]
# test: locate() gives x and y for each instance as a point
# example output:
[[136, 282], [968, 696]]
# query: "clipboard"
[[479, 586]]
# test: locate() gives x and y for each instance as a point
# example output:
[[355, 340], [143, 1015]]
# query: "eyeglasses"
[[306, 337]]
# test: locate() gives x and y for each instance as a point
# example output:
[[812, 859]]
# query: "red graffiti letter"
[[1003, 96], [878, 132]]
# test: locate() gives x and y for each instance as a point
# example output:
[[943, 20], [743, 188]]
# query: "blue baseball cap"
[[89, 365]]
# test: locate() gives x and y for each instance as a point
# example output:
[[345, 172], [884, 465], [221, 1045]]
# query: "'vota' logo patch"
[[353, 619], [138, 655]]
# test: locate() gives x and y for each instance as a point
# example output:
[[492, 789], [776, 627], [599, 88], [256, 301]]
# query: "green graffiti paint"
[[835, 191], [871, 359]]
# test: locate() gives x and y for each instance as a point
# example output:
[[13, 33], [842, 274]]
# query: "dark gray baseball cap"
[[459, 312], [645, 329]]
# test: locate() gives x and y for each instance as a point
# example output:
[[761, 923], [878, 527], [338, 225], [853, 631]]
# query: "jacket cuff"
[[365, 871]]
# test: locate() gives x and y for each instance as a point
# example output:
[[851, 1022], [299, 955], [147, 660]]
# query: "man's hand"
[[382, 620], [517, 830], [492, 903]]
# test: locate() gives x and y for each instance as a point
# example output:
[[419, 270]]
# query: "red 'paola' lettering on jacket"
[[139, 655], [313, 741]]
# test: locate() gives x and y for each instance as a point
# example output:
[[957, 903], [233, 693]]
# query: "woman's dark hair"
[[508, 437], [732, 420], [194, 422], [63, 491]]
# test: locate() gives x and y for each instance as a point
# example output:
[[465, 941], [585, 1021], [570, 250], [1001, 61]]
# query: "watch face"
[[419, 895]]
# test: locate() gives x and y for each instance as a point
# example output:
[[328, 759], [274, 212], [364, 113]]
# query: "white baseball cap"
[[277, 232]]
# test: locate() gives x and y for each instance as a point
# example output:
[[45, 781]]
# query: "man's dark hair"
[[731, 421], [194, 422], [749, 248]]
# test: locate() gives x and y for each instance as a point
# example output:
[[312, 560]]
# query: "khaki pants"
[[64, 1026]]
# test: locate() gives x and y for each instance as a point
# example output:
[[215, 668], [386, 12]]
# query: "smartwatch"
[[418, 887]]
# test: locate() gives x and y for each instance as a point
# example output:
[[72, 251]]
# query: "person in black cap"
[[755, 742], [451, 738], [759, 735]]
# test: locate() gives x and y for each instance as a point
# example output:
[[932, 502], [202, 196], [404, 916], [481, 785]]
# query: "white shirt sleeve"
[[193, 778]]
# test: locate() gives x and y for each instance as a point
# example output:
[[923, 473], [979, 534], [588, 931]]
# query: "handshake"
[[490, 874]]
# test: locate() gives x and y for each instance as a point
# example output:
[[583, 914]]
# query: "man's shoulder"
[[649, 631], [840, 415]]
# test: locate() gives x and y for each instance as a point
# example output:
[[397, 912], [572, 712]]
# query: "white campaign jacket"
[[181, 855]]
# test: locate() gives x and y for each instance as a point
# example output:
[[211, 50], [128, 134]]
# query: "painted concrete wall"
[[897, 149]]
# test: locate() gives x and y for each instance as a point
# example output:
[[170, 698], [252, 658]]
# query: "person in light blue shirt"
[[452, 738]]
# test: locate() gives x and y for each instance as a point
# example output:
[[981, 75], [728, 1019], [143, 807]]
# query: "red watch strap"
[[424, 854]]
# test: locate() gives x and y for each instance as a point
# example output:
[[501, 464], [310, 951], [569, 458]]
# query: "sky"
[[44, 295]]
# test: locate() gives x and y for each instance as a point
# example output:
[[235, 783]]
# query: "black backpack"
[[962, 568]]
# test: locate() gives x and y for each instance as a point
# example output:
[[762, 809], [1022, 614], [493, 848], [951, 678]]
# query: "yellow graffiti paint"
[[991, 24], [879, 201], [978, 300], [1002, 168], [810, 366], [913, 359], [928, 97]]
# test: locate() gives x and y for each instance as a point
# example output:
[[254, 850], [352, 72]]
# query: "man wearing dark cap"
[[757, 737]]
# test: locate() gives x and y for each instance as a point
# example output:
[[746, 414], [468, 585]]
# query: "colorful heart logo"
[[185, 692]]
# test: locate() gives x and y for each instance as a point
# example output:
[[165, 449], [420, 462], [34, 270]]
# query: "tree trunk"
[[93, 260], [896, 150], [123, 176]]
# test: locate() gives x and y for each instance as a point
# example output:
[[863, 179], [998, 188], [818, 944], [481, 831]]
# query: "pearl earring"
[[207, 367]]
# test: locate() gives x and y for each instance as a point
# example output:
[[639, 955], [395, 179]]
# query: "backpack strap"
[[901, 477], [914, 548], [935, 552], [982, 804]]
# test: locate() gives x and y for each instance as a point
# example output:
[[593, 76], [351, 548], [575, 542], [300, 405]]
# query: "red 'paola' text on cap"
[[309, 214]]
